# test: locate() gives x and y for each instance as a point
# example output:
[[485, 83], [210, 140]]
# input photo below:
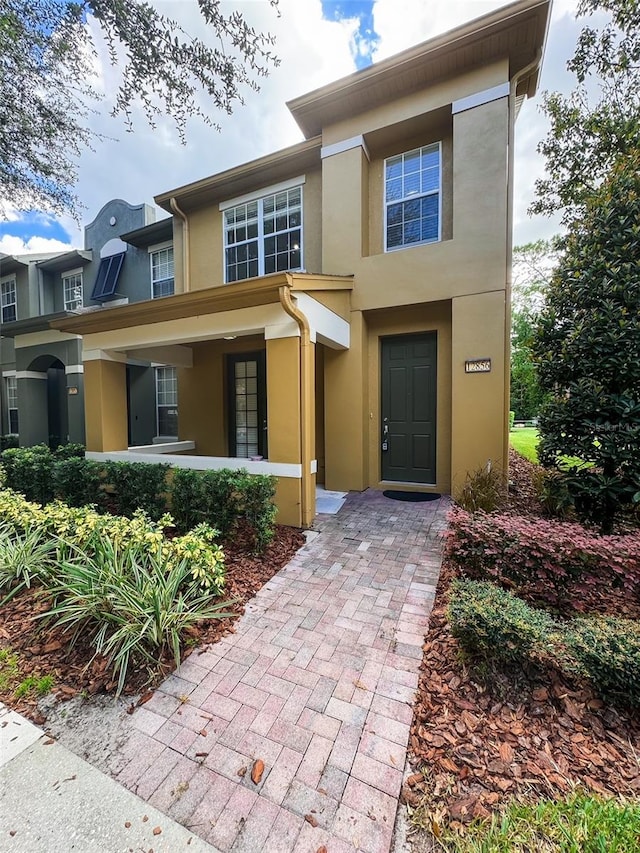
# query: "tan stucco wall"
[[105, 405], [435, 317], [478, 403], [206, 235], [402, 108], [202, 398]]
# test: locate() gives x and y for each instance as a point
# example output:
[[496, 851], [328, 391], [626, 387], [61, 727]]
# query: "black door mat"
[[412, 497]]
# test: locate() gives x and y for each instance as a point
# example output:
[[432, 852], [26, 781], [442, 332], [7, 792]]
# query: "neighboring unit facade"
[[341, 307], [127, 257]]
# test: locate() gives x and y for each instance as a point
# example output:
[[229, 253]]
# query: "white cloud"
[[33, 245]]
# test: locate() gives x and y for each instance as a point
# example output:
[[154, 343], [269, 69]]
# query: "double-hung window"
[[412, 191], [72, 288], [161, 260], [167, 401], [8, 301], [11, 387], [263, 235]]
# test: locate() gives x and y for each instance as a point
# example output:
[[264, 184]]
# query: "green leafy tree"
[[532, 266], [47, 65], [588, 349], [600, 119]]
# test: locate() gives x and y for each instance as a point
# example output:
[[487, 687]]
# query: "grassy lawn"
[[525, 441]]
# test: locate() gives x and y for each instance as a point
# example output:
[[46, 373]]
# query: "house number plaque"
[[478, 365]]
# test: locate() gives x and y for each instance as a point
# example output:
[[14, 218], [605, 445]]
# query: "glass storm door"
[[246, 382], [408, 428]]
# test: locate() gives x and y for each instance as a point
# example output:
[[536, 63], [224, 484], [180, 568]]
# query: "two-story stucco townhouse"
[[341, 307], [127, 257]]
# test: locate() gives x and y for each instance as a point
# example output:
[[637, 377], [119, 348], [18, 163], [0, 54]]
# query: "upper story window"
[[161, 259], [11, 387], [263, 235], [72, 288], [8, 301], [412, 197]]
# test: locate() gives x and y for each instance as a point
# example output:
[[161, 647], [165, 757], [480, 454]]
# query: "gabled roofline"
[[245, 178], [473, 44]]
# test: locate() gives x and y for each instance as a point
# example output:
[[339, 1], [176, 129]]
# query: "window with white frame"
[[161, 271], [264, 235], [167, 401], [11, 388], [412, 197], [72, 288], [8, 301]]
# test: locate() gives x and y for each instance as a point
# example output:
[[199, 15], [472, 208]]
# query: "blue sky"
[[318, 42]]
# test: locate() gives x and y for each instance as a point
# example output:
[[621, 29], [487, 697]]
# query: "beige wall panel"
[[289, 502], [178, 255], [105, 403], [435, 317], [202, 399], [319, 407], [312, 222], [346, 401], [338, 301], [283, 399], [343, 217], [478, 403], [403, 108], [205, 239]]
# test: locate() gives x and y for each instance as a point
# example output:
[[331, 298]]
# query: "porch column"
[[290, 410], [105, 403]]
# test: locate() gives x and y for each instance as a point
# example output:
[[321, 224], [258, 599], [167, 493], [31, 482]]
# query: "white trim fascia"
[[479, 98], [202, 463], [51, 336], [313, 468], [158, 247], [69, 273], [74, 368], [258, 194], [345, 145], [30, 374], [103, 355], [7, 374], [326, 326], [163, 447]]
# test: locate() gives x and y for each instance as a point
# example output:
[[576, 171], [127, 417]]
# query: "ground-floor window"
[[11, 386], [167, 400]]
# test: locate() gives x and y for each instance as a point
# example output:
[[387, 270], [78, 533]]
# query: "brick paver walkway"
[[317, 681]]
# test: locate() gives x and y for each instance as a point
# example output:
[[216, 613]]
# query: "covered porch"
[[248, 359]]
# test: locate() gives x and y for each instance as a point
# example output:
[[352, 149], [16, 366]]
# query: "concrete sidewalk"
[[51, 801], [317, 681]]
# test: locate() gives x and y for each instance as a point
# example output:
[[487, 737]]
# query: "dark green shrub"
[[70, 451], [222, 499], [495, 625], [606, 650], [138, 485], [7, 441], [78, 481], [256, 496], [29, 470], [188, 499]]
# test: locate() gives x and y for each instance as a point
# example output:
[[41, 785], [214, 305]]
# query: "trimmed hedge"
[[495, 625], [216, 498], [550, 559]]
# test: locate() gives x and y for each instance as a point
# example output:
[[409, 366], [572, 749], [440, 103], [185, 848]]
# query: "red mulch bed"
[[41, 651], [480, 736]]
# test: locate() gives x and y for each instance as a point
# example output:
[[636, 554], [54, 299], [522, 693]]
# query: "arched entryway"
[[48, 390]]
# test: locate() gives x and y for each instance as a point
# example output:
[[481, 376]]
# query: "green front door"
[[408, 427]]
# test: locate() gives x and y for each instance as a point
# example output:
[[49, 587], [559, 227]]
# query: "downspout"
[[186, 282], [306, 364], [509, 271]]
